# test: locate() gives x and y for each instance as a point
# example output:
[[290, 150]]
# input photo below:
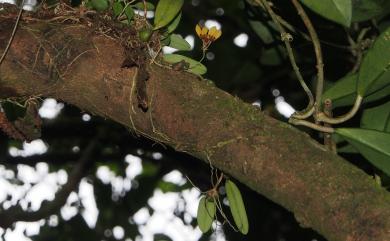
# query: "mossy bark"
[[75, 64]]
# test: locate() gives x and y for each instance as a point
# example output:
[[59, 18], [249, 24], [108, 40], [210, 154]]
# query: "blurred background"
[[135, 189]]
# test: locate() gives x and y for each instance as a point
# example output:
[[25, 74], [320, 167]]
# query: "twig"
[[340, 119], [286, 38], [357, 48], [145, 9], [311, 125], [11, 38], [123, 10], [220, 209], [318, 53], [303, 114]]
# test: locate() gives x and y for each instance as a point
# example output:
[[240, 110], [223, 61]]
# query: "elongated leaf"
[[343, 87], [237, 206], [373, 145], [166, 11], [377, 118], [179, 43], [375, 64], [117, 8], [363, 10], [343, 92], [173, 25], [206, 214], [165, 41], [129, 12], [379, 94], [195, 66], [339, 11]]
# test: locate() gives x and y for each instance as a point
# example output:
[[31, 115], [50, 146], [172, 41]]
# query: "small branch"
[[287, 38], [303, 114], [357, 48], [311, 125], [340, 119], [145, 8], [12, 34], [318, 53], [16, 213]]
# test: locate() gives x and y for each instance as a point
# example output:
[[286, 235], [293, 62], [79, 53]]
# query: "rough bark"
[[81, 67]]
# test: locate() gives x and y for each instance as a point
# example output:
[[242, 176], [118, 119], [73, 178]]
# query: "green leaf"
[[373, 145], [363, 10], [262, 31], [195, 66], [129, 12], [99, 5], [140, 6], [375, 64], [339, 11], [179, 43], [117, 8], [343, 92], [165, 41], [165, 38], [237, 206], [379, 94], [166, 11], [343, 87], [173, 25], [206, 213], [377, 118]]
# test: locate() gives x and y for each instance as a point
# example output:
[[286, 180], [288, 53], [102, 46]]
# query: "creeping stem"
[[311, 125], [340, 119], [318, 53], [286, 38]]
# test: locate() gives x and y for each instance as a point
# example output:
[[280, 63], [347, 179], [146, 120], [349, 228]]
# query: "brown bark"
[[81, 67]]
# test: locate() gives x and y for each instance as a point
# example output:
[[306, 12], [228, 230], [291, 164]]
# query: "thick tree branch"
[[324, 191]]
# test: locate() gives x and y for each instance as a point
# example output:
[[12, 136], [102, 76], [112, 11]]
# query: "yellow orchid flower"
[[207, 35], [198, 30], [214, 33]]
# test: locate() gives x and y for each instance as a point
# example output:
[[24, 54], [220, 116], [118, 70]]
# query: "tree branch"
[[324, 191]]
